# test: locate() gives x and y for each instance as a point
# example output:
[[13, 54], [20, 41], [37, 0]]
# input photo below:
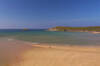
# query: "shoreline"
[[25, 53]]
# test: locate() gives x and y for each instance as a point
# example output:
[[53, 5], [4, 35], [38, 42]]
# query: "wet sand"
[[19, 53], [10, 51]]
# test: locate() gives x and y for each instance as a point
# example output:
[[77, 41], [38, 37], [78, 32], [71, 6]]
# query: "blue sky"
[[40, 14]]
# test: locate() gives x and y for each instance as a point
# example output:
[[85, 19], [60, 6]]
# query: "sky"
[[42, 14]]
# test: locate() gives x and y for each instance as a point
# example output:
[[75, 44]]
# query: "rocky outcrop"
[[53, 29]]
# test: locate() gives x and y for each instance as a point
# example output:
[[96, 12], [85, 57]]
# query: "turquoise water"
[[42, 36]]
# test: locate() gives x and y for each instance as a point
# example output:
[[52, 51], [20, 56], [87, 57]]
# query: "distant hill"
[[76, 29]]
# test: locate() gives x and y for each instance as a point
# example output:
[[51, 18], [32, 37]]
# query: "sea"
[[52, 37]]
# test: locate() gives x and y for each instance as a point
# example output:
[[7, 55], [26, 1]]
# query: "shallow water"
[[42, 36]]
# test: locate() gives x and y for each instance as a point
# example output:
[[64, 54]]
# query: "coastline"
[[92, 32], [28, 54], [90, 29]]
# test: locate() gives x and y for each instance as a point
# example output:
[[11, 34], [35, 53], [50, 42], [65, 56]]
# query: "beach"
[[21, 53], [49, 32]]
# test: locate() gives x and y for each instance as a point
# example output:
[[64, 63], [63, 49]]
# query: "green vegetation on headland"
[[76, 29]]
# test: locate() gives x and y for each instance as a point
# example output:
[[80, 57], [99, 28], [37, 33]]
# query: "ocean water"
[[60, 38]]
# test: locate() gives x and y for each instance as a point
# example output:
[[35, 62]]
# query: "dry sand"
[[44, 55]]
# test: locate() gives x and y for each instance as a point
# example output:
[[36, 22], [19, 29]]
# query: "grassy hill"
[[85, 29]]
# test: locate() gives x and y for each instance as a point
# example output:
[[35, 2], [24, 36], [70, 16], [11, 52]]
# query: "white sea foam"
[[10, 39]]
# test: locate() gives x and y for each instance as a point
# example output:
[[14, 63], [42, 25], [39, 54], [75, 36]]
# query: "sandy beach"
[[49, 32], [20, 53]]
